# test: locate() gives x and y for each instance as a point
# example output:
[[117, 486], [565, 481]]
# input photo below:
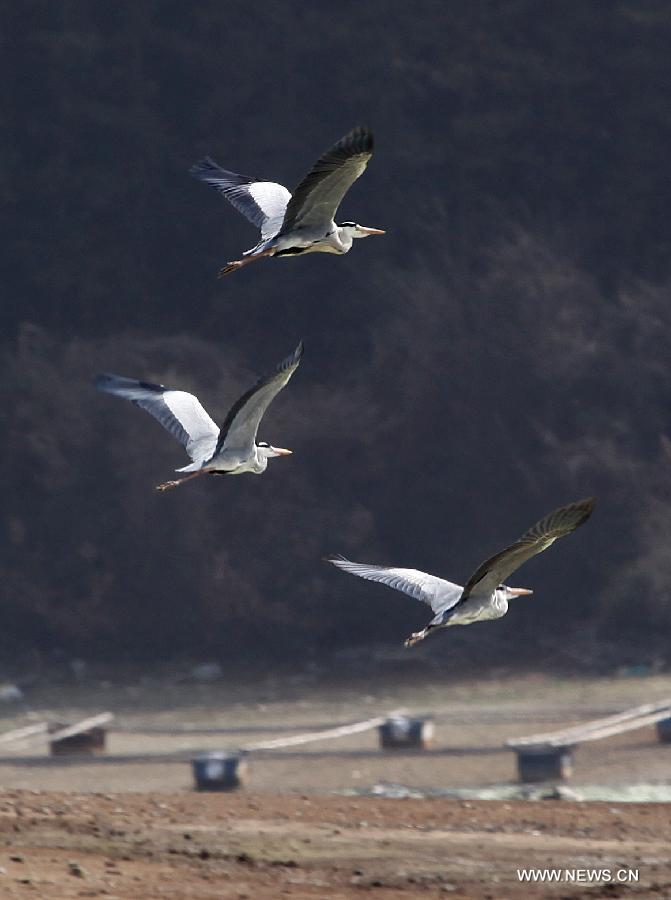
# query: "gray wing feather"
[[242, 422], [495, 570], [436, 592], [179, 412], [318, 196], [262, 202]]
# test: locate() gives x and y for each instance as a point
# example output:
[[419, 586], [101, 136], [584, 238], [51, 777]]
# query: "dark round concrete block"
[[544, 764], [664, 730], [220, 771], [405, 733], [87, 743]]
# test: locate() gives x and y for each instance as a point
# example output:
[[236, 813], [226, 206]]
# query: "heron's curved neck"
[[500, 601], [344, 236], [260, 460]]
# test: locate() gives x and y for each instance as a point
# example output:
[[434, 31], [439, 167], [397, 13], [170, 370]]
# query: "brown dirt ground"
[[132, 829], [264, 847]]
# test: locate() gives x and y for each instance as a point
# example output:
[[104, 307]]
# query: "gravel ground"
[[210, 847]]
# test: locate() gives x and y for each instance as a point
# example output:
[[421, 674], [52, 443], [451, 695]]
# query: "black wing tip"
[[108, 382], [209, 171], [586, 506], [150, 386], [102, 379], [358, 140], [363, 134], [293, 359], [573, 515], [204, 166]]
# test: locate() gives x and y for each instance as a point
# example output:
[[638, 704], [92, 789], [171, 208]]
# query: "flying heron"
[[229, 450], [485, 595], [302, 223]]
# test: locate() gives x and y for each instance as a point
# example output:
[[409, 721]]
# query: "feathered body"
[[302, 222], [485, 596], [229, 450]]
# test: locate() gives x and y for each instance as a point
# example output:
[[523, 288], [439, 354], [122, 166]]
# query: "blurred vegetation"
[[504, 349]]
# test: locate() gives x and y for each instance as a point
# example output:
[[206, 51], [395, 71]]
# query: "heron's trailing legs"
[[416, 637], [167, 485], [236, 264]]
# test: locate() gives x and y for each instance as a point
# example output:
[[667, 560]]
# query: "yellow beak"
[[282, 452], [520, 592], [371, 230]]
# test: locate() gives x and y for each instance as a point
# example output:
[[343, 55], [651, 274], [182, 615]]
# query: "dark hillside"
[[504, 349]]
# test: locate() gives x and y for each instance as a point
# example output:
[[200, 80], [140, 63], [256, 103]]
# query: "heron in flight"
[[229, 450], [486, 595], [302, 222]]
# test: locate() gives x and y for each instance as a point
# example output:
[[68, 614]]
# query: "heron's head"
[[509, 592], [266, 450], [352, 230]]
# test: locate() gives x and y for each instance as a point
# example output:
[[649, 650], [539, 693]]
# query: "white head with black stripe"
[[265, 451], [504, 593], [347, 231]]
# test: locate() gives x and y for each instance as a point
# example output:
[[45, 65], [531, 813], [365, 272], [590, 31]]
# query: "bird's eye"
[[263, 444], [350, 224]]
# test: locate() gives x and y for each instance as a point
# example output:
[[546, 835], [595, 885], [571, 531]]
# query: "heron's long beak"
[[371, 230], [282, 452], [519, 592]]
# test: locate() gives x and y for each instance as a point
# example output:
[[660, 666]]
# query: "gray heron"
[[229, 450], [485, 595], [302, 222]]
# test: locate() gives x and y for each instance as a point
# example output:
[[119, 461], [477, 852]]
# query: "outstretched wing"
[[318, 196], [436, 592], [179, 412], [242, 422], [262, 202], [496, 570]]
